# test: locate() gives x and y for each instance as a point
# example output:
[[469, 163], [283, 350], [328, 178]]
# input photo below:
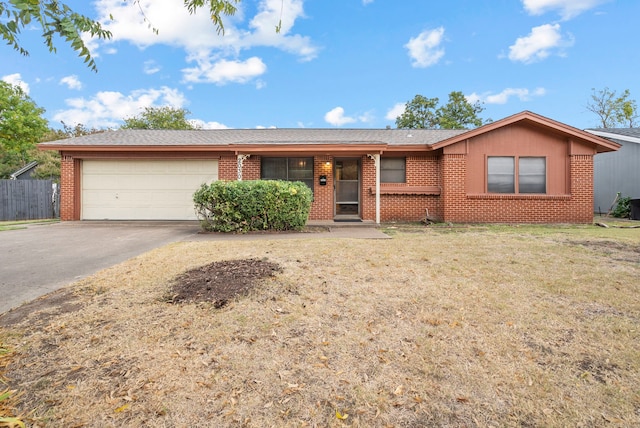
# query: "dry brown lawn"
[[458, 327]]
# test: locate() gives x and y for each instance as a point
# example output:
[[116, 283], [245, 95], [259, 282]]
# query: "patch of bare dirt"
[[43, 309], [619, 251], [220, 282]]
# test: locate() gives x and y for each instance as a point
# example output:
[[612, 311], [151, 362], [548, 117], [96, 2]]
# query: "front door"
[[347, 190]]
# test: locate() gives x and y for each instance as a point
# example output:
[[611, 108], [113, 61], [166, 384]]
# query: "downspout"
[[241, 159], [376, 160]]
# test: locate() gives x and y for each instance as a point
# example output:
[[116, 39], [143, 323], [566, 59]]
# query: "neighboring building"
[[524, 168], [25, 173], [617, 171]]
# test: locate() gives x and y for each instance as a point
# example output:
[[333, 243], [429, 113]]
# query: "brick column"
[[454, 172], [322, 206], [69, 167], [581, 205]]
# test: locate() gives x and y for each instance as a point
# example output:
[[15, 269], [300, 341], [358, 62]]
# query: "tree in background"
[[21, 128], [613, 110], [159, 118], [419, 113], [628, 116], [458, 113], [49, 160], [56, 19]]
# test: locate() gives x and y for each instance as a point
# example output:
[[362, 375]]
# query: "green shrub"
[[623, 207], [243, 206]]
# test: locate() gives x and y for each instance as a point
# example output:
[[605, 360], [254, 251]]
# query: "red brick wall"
[[322, 206], [228, 168], [501, 208], [69, 167], [454, 171], [251, 168], [447, 171], [581, 188], [420, 171], [368, 182]]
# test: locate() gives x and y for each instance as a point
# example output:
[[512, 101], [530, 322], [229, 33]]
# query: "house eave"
[[610, 135], [324, 148], [133, 148]]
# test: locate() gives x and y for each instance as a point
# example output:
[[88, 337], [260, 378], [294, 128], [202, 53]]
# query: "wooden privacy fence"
[[28, 200]]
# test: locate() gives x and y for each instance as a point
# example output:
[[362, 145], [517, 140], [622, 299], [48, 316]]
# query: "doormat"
[[347, 220]]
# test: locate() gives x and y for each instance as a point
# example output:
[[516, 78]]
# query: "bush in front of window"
[[244, 206]]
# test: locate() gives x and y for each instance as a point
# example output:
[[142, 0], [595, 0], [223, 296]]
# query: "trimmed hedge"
[[243, 206]]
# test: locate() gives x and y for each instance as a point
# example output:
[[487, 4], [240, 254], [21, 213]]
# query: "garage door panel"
[[143, 189]]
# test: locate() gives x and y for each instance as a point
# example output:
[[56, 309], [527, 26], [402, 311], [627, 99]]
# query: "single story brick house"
[[524, 168]]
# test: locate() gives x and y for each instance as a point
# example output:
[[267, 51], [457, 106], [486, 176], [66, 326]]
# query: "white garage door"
[[143, 189]]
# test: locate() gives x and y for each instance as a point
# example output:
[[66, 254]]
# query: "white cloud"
[[395, 111], [281, 13], [151, 67], [424, 49], [107, 109], [201, 124], [366, 2], [72, 82], [197, 35], [566, 8], [522, 94], [224, 71], [15, 79], [336, 117], [539, 44]]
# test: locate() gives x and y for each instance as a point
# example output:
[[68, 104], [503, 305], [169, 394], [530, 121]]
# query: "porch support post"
[[241, 159], [376, 160]]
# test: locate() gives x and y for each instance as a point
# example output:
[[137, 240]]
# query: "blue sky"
[[347, 63]]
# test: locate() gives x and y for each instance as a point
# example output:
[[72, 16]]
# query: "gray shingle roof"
[[619, 135], [626, 132], [223, 137]]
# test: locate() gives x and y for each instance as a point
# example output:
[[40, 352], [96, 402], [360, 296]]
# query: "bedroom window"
[[288, 169], [506, 173], [393, 170]]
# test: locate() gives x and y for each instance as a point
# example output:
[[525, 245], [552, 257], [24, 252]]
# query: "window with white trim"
[[528, 174]]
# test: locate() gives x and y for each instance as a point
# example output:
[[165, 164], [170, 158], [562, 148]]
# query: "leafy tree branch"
[[458, 113], [56, 19]]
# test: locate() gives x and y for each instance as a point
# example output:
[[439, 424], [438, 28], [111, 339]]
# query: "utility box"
[[635, 209]]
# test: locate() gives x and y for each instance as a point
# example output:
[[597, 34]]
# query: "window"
[[500, 177], [531, 174], [288, 169], [393, 170]]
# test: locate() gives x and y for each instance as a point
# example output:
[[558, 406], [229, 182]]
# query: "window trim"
[[287, 159], [516, 175]]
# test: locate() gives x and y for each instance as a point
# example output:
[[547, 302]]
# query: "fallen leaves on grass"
[[334, 329]]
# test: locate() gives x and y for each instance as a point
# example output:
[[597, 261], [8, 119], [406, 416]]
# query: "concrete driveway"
[[44, 258]]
